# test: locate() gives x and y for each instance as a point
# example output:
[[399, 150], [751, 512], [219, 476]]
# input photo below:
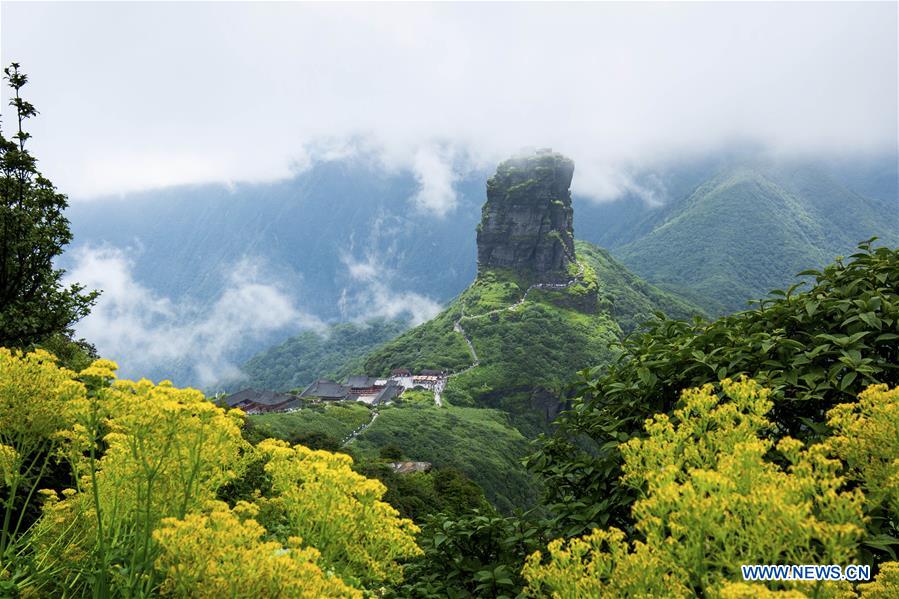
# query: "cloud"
[[149, 333], [255, 91], [434, 173], [602, 183], [374, 296]]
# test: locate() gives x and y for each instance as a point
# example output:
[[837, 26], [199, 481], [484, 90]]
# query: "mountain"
[[725, 229], [748, 230], [541, 308]]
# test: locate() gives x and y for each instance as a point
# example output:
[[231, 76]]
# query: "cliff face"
[[526, 224]]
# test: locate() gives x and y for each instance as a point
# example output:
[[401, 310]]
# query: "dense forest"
[[697, 446]]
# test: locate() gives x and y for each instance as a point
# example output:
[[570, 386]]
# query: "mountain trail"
[[349, 438], [457, 325]]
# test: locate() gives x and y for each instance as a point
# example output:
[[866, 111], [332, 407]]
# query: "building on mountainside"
[[364, 385], [437, 373], [390, 391], [357, 388], [262, 402], [325, 390], [428, 382], [373, 391]]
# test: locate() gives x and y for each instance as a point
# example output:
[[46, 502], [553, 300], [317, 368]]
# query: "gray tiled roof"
[[388, 393], [265, 398], [326, 390], [360, 382]]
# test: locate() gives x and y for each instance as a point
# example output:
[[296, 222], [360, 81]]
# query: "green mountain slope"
[[481, 443], [527, 344], [752, 229], [298, 361], [539, 342], [541, 309]]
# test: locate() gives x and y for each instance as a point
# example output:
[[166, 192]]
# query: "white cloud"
[[253, 91], [434, 172], [375, 296], [602, 183], [148, 332]]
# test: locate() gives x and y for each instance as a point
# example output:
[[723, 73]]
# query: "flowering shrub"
[[886, 586], [866, 437], [34, 393], [710, 502], [140, 515], [167, 451], [316, 495], [221, 554]]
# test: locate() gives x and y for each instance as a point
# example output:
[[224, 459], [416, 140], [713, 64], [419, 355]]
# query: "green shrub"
[[813, 349]]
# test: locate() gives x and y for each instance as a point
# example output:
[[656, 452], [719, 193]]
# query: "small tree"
[[34, 305]]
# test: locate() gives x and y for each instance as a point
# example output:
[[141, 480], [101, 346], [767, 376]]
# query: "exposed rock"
[[526, 223], [410, 467], [546, 403]]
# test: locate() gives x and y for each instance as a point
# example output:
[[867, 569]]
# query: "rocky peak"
[[526, 223]]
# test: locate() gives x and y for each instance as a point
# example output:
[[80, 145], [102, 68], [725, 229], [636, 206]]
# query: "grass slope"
[[527, 356], [748, 230], [336, 420], [481, 443], [541, 343]]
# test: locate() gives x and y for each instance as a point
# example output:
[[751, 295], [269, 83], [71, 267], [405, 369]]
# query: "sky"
[[135, 96]]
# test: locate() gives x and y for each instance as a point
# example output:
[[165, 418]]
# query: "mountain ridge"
[[747, 229]]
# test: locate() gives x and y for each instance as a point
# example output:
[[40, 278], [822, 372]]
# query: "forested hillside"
[[749, 229], [334, 353]]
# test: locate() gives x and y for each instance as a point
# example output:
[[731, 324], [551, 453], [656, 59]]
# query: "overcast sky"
[[135, 96]]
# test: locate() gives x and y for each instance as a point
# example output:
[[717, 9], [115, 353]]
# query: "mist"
[[141, 95]]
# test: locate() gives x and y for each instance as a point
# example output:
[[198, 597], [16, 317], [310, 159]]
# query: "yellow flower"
[[220, 555], [9, 464], [337, 511], [710, 502]]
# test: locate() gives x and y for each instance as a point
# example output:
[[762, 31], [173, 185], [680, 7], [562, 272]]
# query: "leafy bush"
[[474, 555], [813, 349], [715, 492], [419, 494]]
